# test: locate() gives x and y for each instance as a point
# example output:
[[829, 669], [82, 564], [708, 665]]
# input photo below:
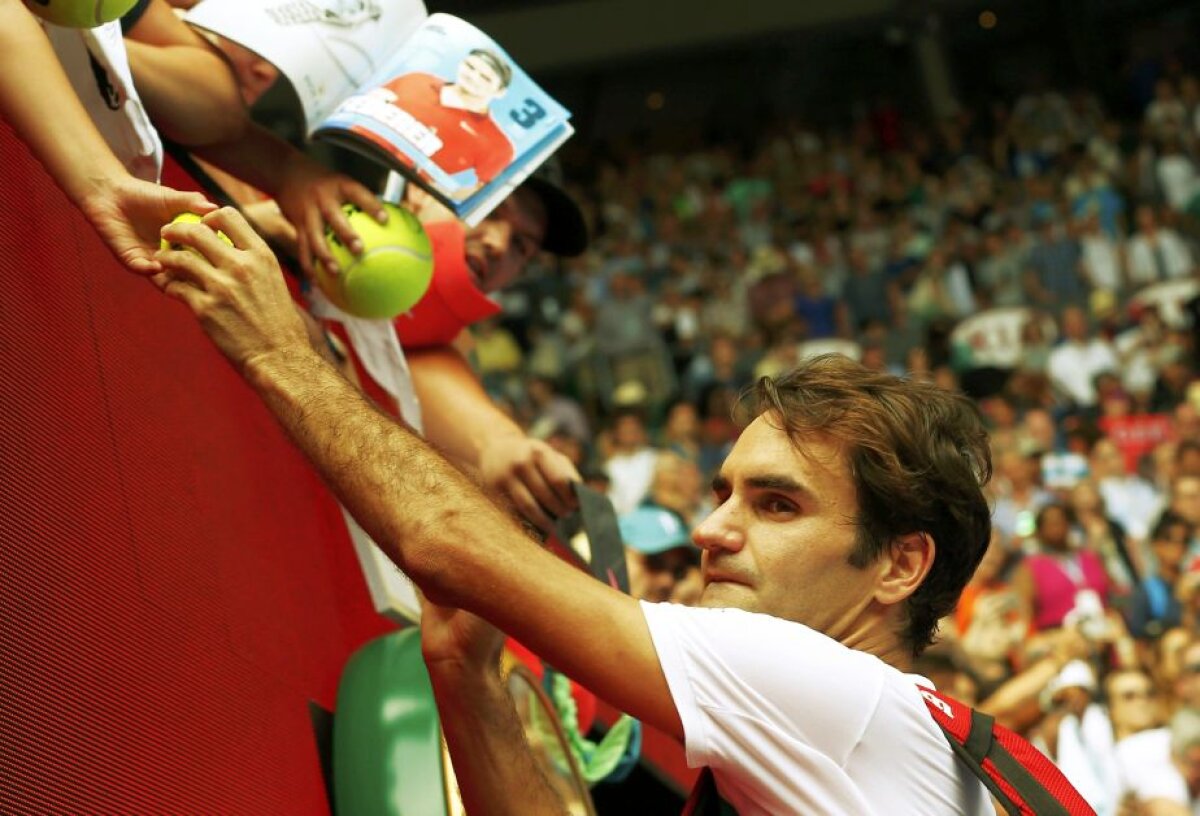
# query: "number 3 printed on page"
[[529, 114]]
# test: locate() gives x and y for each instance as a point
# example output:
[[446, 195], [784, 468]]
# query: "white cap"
[[1075, 674]]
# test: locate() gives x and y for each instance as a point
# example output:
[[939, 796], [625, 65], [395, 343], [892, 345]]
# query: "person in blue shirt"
[[1153, 608]]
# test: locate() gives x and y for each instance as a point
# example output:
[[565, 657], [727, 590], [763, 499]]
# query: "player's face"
[[478, 78], [503, 243], [781, 536]]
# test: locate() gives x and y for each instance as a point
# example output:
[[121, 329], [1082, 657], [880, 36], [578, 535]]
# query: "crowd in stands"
[[1041, 257]]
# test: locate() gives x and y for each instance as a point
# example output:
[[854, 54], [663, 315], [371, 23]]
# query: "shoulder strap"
[[1021, 778]]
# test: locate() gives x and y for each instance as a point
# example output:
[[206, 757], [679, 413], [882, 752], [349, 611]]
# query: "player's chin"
[[729, 595]]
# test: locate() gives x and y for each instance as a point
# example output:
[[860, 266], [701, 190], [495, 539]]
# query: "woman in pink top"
[[1060, 578]]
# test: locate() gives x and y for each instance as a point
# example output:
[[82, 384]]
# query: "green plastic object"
[[387, 744]]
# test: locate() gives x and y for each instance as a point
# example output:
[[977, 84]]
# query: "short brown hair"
[[919, 457]]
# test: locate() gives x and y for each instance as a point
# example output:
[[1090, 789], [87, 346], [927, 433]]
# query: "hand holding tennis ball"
[[390, 276], [189, 218]]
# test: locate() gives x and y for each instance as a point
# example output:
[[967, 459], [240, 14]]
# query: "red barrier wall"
[[175, 582]]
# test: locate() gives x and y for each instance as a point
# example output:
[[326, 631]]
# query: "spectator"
[[867, 297], [554, 410], [1001, 271], [1133, 500], [1075, 362], [658, 552], [988, 618], [1103, 534], [1101, 257], [1154, 607], [715, 367], [823, 315], [1172, 786], [1177, 175], [1077, 734], [1056, 278], [1143, 753], [1166, 115], [1155, 253], [1059, 578], [1144, 352], [630, 463], [681, 431], [116, 193], [1184, 501], [1020, 497], [1133, 703], [677, 486], [942, 290]]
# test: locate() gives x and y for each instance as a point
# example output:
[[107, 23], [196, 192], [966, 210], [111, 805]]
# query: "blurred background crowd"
[[1038, 252]]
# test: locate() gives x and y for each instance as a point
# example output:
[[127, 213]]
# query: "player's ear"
[[903, 567]]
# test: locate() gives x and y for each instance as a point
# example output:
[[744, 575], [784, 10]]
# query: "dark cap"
[[566, 232]]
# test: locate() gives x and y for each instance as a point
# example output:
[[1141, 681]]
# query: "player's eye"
[[777, 505]]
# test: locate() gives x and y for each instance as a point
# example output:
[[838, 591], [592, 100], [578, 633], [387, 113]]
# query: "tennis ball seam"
[[412, 253]]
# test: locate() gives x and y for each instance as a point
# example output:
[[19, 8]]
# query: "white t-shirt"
[[95, 62], [1144, 760], [791, 721], [1144, 268], [1102, 261], [631, 476], [1072, 366], [1177, 177]]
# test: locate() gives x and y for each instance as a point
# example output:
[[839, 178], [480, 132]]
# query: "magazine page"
[[453, 111], [326, 49]]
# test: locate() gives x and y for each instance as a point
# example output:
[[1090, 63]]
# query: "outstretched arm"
[[187, 86], [38, 102], [462, 421], [459, 547], [495, 767], [193, 96]]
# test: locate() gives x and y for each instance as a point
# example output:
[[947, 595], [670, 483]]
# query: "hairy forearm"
[[460, 548], [407, 497], [496, 771]]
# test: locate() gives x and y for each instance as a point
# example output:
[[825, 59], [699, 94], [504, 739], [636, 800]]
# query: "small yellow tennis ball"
[[390, 276], [80, 13], [189, 218]]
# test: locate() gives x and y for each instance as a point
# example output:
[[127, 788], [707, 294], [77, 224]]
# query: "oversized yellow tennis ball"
[[189, 218], [80, 13], [390, 276]]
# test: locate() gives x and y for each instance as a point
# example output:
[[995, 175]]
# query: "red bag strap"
[[1023, 779]]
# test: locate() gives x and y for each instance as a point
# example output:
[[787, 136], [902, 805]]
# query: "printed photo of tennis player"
[[462, 137]]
